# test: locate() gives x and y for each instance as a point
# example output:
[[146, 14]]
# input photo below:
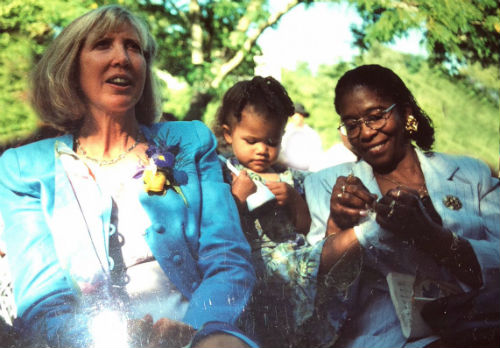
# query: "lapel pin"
[[452, 202]]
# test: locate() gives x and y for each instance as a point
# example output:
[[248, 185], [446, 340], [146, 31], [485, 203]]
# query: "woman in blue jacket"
[[436, 220], [119, 225]]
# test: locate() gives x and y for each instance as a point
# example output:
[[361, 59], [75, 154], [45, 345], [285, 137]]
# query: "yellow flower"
[[155, 182]]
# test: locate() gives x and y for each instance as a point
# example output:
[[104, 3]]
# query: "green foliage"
[[467, 30], [465, 116], [176, 101], [17, 118], [170, 23], [485, 82], [26, 27], [463, 31], [316, 93]]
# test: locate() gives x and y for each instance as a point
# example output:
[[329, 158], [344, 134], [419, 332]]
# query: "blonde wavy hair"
[[56, 94]]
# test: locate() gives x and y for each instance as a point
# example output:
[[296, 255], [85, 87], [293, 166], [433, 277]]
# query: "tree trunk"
[[200, 100], [196, 33], [198, 105], [250, 40]]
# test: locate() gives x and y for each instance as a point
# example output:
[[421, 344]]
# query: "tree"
[[201, 42], [26, 27], [210, 44], [463, 108], [455, 31], [205, 42]]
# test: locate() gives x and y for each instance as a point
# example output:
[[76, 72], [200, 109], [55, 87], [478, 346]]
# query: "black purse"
[[471, 319]]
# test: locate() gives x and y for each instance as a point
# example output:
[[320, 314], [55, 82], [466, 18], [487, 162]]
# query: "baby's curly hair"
[[265, 94]]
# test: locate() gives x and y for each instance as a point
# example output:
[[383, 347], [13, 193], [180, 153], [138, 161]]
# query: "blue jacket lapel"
[[81, 244], [441, 178]]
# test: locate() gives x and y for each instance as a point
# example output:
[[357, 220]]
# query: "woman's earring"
[[411, 125]]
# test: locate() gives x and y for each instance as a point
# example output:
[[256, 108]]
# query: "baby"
[[249, 125]]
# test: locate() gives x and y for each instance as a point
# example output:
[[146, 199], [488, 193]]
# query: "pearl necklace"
[[101, 162]]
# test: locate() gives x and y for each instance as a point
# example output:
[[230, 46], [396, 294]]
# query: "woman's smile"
[[120, 81], [376, 149], [382, 147]]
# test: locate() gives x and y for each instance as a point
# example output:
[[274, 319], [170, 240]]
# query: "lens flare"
[[109, 329]]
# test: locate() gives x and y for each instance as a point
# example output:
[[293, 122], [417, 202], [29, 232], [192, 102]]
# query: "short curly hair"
[[265, 94], [387, 84], [56, 95]]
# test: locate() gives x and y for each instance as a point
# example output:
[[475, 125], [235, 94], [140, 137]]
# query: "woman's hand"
[[163, 333], [139, 330], [242, 186], [349, 201], [402, 212], [170, 333]]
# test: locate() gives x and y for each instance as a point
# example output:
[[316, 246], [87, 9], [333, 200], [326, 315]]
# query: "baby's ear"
[[226, 131]]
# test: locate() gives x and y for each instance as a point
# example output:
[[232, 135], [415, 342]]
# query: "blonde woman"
[[120, 229]]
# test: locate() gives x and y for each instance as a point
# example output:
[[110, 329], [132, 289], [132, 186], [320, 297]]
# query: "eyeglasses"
[[375, 120]]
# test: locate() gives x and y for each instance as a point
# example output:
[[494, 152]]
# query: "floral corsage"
[[158, 175]]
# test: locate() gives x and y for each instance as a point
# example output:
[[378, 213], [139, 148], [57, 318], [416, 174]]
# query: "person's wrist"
[[238, 198], [332, 228], [341, 222]]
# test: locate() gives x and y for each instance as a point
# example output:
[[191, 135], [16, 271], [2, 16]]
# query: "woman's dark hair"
[[387, 84], [265, 94]]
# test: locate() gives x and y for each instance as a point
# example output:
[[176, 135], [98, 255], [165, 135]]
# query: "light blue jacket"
[[200, 247], [478, 220]]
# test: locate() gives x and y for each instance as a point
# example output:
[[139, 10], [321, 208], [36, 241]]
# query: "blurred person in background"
[[338, 153], [301, 145]]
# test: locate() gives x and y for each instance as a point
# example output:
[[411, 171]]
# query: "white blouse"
[[133, 269]]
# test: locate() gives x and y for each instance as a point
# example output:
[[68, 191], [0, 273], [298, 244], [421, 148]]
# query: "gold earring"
[[411, 125]]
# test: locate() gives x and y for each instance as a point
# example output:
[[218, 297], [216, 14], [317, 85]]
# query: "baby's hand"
[[284, 192], [242, 186]]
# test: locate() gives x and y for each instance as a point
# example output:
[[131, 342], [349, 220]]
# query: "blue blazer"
[[467, 179], [464, 179], [200, 247]]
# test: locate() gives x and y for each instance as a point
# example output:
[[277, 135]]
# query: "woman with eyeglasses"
[[400, 211]]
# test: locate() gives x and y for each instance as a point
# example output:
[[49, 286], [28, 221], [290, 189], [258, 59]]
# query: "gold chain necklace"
[[422, 190], [101, 162]]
